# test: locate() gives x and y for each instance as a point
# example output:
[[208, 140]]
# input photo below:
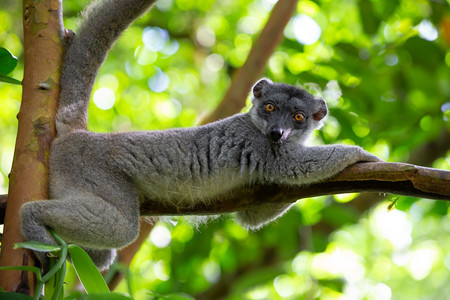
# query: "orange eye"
[[299, 117], [270, 107]]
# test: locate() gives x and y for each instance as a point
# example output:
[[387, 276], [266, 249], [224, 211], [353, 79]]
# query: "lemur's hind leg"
[[87, 220]]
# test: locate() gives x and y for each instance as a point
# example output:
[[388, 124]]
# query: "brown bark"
[[381, 177], [254, 66], [424, 155], [42, 25], [393, 178]]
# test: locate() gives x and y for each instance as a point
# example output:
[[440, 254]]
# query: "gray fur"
[[103, 22], [98, 181]]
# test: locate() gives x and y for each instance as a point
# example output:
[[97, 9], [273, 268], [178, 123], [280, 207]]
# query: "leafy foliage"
[[87, 272], [389, 59], [7, 63]]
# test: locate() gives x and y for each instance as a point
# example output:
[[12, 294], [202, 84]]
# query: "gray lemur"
[[99, 181]]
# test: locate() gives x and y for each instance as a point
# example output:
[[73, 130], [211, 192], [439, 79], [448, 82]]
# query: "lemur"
[[98, 181]]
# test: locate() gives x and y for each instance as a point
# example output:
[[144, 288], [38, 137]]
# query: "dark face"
[[284, 112]]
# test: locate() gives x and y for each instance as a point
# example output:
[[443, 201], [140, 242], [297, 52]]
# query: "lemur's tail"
[[103, 23]]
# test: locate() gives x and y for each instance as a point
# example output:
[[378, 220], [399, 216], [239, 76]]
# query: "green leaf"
[[14, 296], [36, 270], [8, 79], [37, 246], [7, 61], [392, 203], [54, 288], [75, 295], [62, 255], [88, 273]]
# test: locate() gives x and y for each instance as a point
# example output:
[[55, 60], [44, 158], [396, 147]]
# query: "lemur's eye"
[[299, 117], [270, 107]]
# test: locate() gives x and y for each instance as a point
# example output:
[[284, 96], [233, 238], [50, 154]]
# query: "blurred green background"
[[384, 68]]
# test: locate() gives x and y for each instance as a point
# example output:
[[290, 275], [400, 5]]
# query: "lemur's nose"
[[276, 134]]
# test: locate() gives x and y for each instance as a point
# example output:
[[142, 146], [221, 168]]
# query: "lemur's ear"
[[259, 87], [321, 110]]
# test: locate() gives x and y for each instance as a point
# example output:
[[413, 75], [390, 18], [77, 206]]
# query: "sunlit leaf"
[[8, 79], [33, 269], [37, 246], [88, 273], [54, 288], [392, 203]]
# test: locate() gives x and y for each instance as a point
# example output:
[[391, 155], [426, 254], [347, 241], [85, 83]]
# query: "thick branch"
[[393, 178], [424, 155]]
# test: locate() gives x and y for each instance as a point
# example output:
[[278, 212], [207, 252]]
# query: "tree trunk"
[[43, 44]]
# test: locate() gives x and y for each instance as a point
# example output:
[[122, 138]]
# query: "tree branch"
[[392, 178], [424, 155], [254, 66]]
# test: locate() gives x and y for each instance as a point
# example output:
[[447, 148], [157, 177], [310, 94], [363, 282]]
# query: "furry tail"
[[103, 23]]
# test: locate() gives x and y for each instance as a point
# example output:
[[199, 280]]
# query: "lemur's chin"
[[278, 141]]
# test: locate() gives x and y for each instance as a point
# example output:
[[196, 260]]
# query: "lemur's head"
[[284, 112]]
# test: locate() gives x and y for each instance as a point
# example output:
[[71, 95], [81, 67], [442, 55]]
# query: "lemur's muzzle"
[[278, 135]]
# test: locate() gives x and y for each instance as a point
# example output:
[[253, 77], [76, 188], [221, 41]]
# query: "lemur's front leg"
[[309, 165], [322, 162]]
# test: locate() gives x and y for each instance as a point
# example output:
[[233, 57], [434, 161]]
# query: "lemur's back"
[[186, 164]]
